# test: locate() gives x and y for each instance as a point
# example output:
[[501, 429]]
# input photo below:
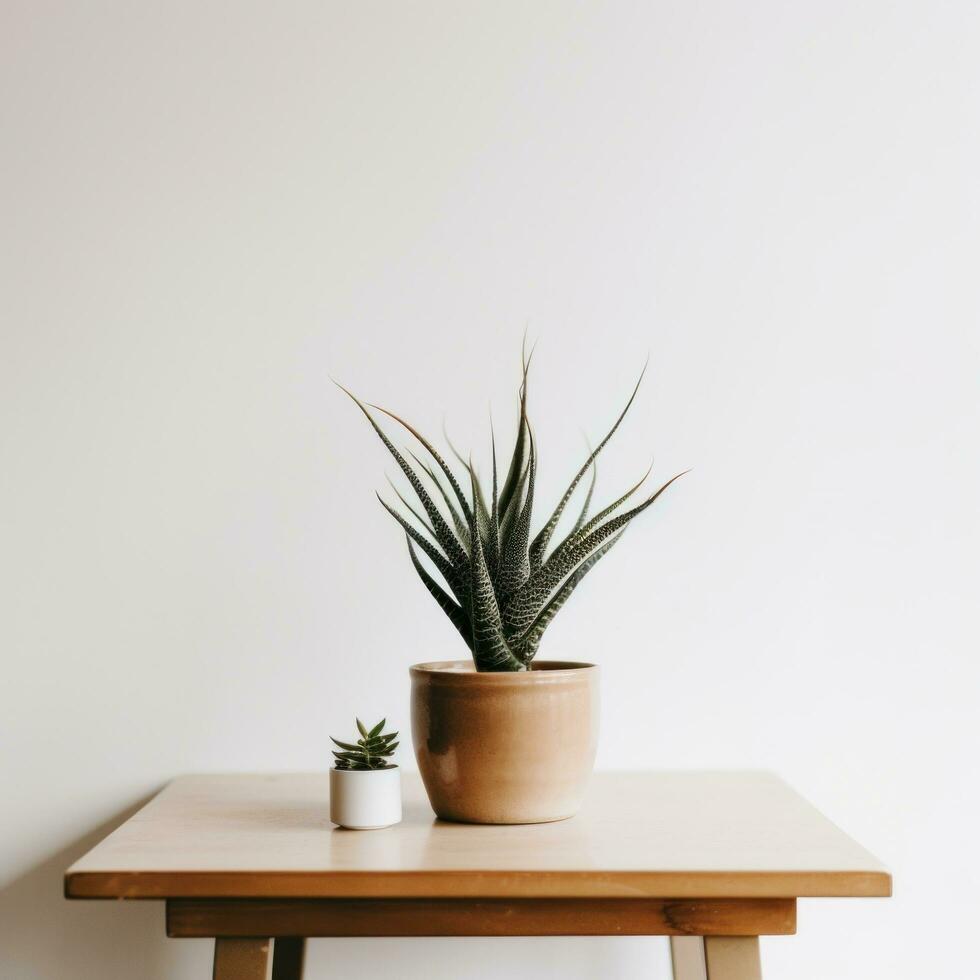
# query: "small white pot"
[[367, 800]]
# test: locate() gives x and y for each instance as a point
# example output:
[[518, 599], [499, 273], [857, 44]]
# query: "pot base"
[[504, 823]]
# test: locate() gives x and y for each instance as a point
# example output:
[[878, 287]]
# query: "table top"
[[656, 834]]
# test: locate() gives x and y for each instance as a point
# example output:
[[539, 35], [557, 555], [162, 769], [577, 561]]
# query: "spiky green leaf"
[[517, 461], [577, 534], [515, 565], [527, 646], [523, 608], [479, 505], [455, 612], [410, 508], [459, 522], [587, 503], [490, 649], [507, 589], [345, 745], [508, 517], [492, 549], [446, 569], [371, 751], [440, 462], [540, 543], [446, 538]]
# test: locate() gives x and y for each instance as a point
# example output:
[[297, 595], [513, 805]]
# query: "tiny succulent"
[[504, 584], [372, 750]]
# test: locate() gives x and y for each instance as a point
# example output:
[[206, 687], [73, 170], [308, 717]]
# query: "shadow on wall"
[[45, 937]]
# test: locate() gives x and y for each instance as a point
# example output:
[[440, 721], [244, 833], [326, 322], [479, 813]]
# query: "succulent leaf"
[[446, 569], [540, 544], [479, 505], [587, 503], [490, 649], [440, 462], [517, 462], [447, 540], [577, 533], [480, 508], [459, 523], [515, 567], [455, 612], [527, 646], [345, 745], [492, 549], [372, 751], [504, 589], [410, 508], [524, 607], [508, 517]]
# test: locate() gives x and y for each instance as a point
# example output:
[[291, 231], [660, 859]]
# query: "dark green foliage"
[[371, 751], [504, 587]]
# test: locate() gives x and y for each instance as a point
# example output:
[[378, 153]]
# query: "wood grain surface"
[[656, 835]]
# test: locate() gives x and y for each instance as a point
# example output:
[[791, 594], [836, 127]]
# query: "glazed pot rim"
[[464, 672]]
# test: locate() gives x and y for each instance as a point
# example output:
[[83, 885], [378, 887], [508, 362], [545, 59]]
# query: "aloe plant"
[[503, 586], [371, 751]]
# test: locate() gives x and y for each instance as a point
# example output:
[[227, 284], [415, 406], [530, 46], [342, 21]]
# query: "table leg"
[[687, 958], [288, 953], [240, 959], [715, 958]]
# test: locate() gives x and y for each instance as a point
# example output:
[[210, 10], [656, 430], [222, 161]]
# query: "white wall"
[[209, 207]]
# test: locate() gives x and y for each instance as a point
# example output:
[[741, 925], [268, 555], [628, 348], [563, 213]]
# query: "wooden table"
[[713, 860]]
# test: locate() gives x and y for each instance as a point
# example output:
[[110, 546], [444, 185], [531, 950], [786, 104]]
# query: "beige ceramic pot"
[[505, 747]]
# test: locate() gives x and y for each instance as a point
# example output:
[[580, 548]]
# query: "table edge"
[[871, 883]]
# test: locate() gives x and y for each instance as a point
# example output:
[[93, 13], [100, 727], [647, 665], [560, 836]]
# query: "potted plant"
[[365, 789], [504, 738]]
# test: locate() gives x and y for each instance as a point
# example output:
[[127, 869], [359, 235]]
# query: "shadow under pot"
[[505, 748]]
